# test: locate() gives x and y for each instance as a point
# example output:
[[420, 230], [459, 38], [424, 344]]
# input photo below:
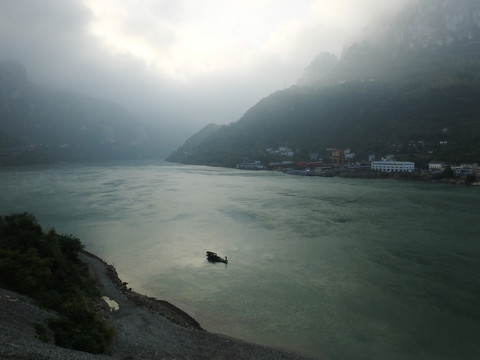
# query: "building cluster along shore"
[[341, 163]]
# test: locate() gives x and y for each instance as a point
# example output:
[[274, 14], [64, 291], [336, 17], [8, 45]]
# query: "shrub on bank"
[[46, 266], [80, 328]]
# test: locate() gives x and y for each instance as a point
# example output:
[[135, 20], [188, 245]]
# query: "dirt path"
[[99, 270]]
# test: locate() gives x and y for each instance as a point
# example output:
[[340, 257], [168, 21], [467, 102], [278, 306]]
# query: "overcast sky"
[[182, 61]]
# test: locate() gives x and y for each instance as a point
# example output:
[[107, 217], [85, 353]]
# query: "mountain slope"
[[369, 118], [195, 140], [423, 43], [59, 125], [411, 91]]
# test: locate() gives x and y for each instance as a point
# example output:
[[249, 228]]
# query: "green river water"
[[329, 267]]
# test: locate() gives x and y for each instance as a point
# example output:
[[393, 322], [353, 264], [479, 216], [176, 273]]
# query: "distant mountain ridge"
[[437, 23], [433, 33], [38, 125], [417, 81]]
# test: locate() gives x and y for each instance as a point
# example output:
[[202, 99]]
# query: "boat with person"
[[213, 257]]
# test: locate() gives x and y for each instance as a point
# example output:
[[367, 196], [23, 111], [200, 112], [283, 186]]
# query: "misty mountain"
[[424, 43], [40, 125], [409, 86], [318, 70], [189, 147]]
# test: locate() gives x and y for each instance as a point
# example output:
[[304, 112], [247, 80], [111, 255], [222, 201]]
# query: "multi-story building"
[[393, 166], [436, 167], [462, 170]]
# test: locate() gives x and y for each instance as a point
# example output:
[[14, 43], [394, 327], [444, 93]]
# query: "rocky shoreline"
[[146, 328], [166, 309]]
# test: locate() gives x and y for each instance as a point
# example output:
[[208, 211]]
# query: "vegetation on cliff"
[[367, 117], [409, 88], [45, 266]]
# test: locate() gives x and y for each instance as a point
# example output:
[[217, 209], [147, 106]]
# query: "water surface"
[[335, 268]]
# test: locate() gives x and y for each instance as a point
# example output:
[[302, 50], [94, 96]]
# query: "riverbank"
[[107, 277], [146, 328], [362, 173]]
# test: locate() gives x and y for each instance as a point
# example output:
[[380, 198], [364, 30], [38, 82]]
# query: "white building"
[[393, 166], [463, 169], [286, 152], [436, 166]]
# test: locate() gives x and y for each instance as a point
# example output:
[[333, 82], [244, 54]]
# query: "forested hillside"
[[367, 117], [412, 91]]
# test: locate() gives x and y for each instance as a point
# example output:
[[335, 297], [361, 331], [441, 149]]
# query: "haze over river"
[[331, 267]]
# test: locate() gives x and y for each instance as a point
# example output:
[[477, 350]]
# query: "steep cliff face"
[[426, 41], [319, 68], [437, 23]]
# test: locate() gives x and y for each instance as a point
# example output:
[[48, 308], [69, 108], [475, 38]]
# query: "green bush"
[[80, 328], [41, 332], [46, 266]]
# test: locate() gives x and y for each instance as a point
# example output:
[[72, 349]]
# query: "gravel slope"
[[18, 315]]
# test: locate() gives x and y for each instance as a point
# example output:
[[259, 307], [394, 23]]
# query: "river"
[[330, 267]]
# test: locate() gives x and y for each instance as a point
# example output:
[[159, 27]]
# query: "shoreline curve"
[[149, 328]]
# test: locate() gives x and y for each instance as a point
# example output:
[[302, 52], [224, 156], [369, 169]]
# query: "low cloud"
[[182, 62]]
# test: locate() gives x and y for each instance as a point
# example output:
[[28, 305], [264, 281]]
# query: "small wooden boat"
[[213, 257]]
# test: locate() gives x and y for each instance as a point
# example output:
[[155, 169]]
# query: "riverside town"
[[342, 163]]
